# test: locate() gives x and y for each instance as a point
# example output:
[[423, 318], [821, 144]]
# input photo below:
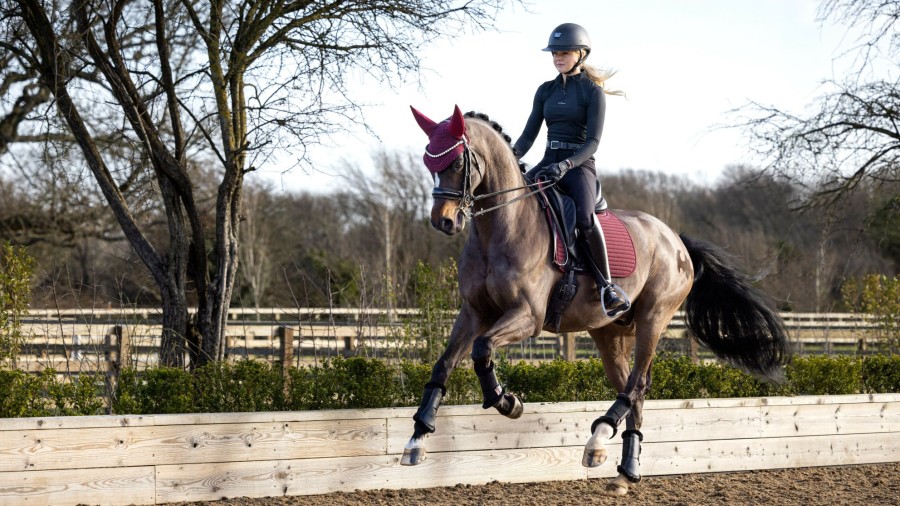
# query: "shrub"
[[367, 383], [878, 297], [16, 268], [679, 378], [881, 373], [557, 381], [242, 386], [354, 383], [462, 387], [22, 395], [161, 390], [822, 375], [30, 395]]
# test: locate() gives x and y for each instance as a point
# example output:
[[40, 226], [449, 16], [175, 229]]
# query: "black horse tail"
[[727, 314]]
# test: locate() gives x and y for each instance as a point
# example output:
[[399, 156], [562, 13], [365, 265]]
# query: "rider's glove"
[[553, 172]]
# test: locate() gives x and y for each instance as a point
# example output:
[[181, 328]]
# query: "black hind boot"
[[612, 297]]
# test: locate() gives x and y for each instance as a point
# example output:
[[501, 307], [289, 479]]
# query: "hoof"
[[618, 486], [509, 406], [413, 456], [593, 457], [517, 408]]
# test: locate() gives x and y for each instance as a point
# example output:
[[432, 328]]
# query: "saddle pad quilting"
[[619, 245]]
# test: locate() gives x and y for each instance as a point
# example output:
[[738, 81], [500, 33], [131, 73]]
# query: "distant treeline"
[[363, 246]]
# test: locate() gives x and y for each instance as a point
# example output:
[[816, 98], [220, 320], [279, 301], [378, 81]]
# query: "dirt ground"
[[849, 485]]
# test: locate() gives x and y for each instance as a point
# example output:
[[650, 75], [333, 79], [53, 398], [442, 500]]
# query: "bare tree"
[[853, 132], [254, 250], [185, 83], [396, 204]]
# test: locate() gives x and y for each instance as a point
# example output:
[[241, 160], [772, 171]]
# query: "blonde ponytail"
[[600, 76]]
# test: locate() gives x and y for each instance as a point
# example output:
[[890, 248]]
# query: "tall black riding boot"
[[612, 297]]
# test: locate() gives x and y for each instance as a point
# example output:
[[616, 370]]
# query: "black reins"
[[468, 199]]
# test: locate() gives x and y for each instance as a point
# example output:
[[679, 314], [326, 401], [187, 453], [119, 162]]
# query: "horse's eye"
[[458, 164]]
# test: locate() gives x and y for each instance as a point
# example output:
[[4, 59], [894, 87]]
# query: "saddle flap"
[[561, 218]]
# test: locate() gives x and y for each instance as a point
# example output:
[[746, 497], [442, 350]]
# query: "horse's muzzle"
[[448, 219]]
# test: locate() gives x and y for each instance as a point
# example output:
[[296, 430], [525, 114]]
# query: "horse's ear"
[[424, 122], [457, 123]]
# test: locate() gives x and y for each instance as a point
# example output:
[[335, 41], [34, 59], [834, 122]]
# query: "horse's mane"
[[499, 129], [496, 126]]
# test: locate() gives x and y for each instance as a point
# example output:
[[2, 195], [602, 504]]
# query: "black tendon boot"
[[427, 413], [612, 297], [631, 455]]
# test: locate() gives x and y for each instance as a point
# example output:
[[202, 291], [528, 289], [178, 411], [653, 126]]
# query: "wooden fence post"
[[286, 339], [567, 347], [349, 345], [117, 355], [693, 348], [123, 346], [118, 348]]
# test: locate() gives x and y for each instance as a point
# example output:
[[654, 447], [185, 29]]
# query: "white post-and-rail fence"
[[72, 341], [167, 458]]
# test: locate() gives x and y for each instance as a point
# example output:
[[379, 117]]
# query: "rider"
[[574, 106]]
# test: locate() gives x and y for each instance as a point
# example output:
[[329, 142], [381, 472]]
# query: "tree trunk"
[[175, 330]]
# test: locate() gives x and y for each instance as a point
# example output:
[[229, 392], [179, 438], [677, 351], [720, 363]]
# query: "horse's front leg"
[[513, 326], [460, 339]]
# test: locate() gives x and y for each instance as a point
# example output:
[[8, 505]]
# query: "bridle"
[[466, 197]]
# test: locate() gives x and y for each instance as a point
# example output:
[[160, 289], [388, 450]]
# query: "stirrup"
[[622, 304]]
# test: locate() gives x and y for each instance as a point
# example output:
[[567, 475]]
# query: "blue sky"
[[683, 64]]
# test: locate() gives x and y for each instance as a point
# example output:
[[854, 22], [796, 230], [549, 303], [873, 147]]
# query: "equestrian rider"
[[574, 106]]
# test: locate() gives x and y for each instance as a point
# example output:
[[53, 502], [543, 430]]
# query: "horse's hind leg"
[[629, 467], [615, 344], [629, 403]]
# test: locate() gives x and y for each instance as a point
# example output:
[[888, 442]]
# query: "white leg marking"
[[595, 449]]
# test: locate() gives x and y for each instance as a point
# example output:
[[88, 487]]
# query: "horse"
[[506, 277]]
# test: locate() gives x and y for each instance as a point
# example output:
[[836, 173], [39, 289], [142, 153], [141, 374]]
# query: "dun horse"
[[506, 277]]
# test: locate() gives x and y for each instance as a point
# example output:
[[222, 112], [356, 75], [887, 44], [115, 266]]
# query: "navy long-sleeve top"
[[574, 113]]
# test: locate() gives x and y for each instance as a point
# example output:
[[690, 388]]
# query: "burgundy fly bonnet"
[[446, 140]]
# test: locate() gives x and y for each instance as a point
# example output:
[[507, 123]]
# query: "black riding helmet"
[[570, 37]]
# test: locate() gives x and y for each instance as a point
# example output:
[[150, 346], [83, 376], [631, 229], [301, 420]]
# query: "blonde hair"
[[599, 76]]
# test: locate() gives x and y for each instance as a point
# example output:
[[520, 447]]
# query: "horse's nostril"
[[447, 225]]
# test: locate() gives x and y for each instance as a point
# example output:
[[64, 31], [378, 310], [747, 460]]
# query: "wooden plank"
[[129, 485], [174, 444], [118, 421], [493, 431], [209, 456], [206, 482], [768, 453], [831, 419], [489, 430], [593, 408], [770, 401], [257, 479]]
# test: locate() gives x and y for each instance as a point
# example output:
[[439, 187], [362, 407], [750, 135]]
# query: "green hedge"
[[364, 383], [25, 395]]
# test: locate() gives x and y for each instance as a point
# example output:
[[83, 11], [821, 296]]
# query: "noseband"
[[465, 196]]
